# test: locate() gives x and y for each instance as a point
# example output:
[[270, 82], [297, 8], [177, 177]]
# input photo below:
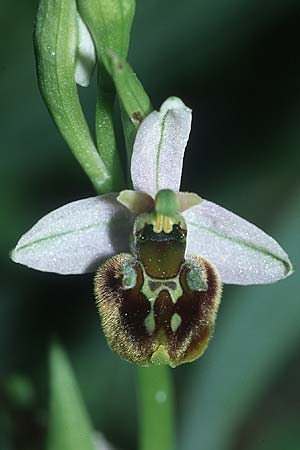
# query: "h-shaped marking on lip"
[[152, 288]]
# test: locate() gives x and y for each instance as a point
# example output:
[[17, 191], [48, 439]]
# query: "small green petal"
[[136, 202], [187, 200]]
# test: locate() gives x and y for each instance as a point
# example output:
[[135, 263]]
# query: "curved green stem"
[[156, 408], [105, 134]]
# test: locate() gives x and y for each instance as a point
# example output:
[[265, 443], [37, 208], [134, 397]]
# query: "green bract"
[[56, 43], [132, 95], [109, 22]]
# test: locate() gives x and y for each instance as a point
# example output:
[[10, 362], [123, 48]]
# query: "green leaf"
[[69, 424], [56, 45]]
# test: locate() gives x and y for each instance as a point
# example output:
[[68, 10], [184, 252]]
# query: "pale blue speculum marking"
[[195, 278], [129, 275]]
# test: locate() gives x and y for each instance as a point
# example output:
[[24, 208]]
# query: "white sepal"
[[77, 237], [242, 253], [159, 147]]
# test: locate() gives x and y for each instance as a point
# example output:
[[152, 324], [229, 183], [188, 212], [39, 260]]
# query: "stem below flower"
[[156, 408], [105, 135]]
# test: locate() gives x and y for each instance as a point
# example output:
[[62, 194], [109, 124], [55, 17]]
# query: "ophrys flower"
[[158, 301]]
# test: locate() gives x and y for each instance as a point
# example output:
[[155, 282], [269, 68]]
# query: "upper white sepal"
[[159, 147]]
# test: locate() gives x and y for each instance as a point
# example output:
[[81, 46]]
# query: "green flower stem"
[[156, 408]]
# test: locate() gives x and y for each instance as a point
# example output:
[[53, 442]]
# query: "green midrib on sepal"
[[62, 234], [163, 124]]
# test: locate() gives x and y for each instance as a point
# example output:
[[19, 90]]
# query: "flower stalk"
[[156, 408]]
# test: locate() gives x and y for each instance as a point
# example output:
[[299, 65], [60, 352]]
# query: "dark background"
[[237, 65]]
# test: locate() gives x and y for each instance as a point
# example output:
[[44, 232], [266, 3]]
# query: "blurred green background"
[[237, 65]]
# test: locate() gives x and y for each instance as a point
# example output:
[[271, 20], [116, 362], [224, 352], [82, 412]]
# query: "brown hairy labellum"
[[156, 306]]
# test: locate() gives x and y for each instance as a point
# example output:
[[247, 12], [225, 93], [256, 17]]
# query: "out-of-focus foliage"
[[69, 425], [237, 65]]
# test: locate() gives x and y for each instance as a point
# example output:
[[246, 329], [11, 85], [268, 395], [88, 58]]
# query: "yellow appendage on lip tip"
[[160, 356]]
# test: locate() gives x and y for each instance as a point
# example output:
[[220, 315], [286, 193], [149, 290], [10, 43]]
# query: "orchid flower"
[[158, 297]]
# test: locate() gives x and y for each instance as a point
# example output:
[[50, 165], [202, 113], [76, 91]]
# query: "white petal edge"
[[159, 147], [242, 253], [77, 237], [86, 54]]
